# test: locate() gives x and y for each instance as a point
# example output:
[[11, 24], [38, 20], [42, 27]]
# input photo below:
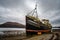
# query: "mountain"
[[12, 25]]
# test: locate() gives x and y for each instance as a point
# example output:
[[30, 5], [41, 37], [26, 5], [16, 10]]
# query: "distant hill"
[[12, 25], [56, 27]]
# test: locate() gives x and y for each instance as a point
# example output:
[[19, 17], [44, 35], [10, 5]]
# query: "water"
[[11, 29], [55, 28], [8, 29]]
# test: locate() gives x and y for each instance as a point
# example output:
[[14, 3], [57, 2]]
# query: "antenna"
[[34, 11]]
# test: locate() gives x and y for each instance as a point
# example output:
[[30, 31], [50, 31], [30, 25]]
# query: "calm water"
[[55, 28], [11, 29], [8, 29]]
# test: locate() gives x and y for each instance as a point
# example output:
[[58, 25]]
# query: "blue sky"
[[16, 10]]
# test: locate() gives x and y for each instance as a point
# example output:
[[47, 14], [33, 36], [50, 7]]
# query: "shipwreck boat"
[[36, 26]]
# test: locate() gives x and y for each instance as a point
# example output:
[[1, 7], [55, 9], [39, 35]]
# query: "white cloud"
[[15, 10]]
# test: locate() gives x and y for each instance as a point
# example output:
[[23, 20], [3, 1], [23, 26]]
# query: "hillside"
[[12, 25]]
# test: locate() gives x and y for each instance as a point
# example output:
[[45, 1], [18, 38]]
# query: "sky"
[[16, 10]]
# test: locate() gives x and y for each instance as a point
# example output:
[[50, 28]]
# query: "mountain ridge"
[[12, 25]]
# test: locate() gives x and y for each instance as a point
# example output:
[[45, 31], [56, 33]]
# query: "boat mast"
[[34, 12]]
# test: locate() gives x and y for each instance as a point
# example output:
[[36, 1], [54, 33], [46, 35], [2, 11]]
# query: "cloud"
[[51, 10], [7, 14], [15, 10], [11, 3]]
